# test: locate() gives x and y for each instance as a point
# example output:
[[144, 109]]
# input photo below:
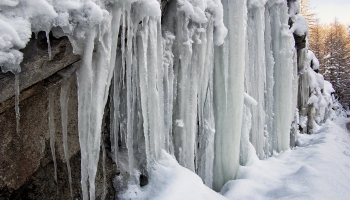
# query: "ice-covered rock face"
[[210, 82]]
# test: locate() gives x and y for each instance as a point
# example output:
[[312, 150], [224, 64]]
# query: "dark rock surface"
[[26, 164]]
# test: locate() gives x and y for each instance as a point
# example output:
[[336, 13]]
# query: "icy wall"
[[213, 83]]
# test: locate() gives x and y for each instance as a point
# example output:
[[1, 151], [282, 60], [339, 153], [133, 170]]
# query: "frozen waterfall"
[[213, 83]]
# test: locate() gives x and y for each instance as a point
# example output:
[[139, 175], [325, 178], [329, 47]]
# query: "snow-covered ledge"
[[36, 65]]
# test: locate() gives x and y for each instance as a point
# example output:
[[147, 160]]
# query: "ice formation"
[[213, 83], [17, 93], [52, 130], [64, 99]]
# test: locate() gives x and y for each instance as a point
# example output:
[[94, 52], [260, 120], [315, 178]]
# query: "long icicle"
[[52, 130], [64, 117], [104, 190], [17, 102]]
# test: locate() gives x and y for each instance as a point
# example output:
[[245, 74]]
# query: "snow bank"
[[171, 181], [317, 169]]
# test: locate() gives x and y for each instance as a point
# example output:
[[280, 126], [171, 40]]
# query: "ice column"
[[64, 117], [17, 91], [94, 78], [270, 82], [282, 47], [255, 74], [168, 63], [304, 93], [229, 93], [52, 130], [185, 67], [188, 84], [115, 101], [149, 48], [247, 150], [206, 123]]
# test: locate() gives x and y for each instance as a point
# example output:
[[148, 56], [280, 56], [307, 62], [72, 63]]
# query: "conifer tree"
[[336, 60]]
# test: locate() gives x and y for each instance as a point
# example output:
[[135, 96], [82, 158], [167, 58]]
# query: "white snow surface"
[[171, 181], [315, 61], [318, 168], [300, 26]]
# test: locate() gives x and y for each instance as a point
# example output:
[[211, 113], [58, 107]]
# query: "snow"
[[18, 19], [318, 168], [328, 88], [249, 100], [320, 95], [300, 25], [172, 182], [314, 60]]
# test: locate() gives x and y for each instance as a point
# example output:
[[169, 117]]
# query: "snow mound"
[[171, 181], [317, 169]]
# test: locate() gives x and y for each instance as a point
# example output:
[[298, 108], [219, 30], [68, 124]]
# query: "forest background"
[[331, 45]]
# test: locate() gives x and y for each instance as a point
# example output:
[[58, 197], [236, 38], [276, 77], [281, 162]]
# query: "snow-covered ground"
[[318, 169]]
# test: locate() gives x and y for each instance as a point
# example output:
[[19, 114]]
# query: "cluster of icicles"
[[173, 85]]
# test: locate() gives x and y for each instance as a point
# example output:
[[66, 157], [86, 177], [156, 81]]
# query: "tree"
[[316, 42], [337, 59], [307, 11]]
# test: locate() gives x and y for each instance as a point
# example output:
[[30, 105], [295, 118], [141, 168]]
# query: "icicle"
[[52, 130], [48, 44], [94, 78], [269, 100], [130, 96], [168, 64], [255, 75], [104, 192], [64, 117], [282, 46], [151, 89], [123, 66], [206, 132], [114, 128], [185, 64], [115, 99], [17, 92], [122, 40], [247, 152], [84, 78], [229, 93]]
